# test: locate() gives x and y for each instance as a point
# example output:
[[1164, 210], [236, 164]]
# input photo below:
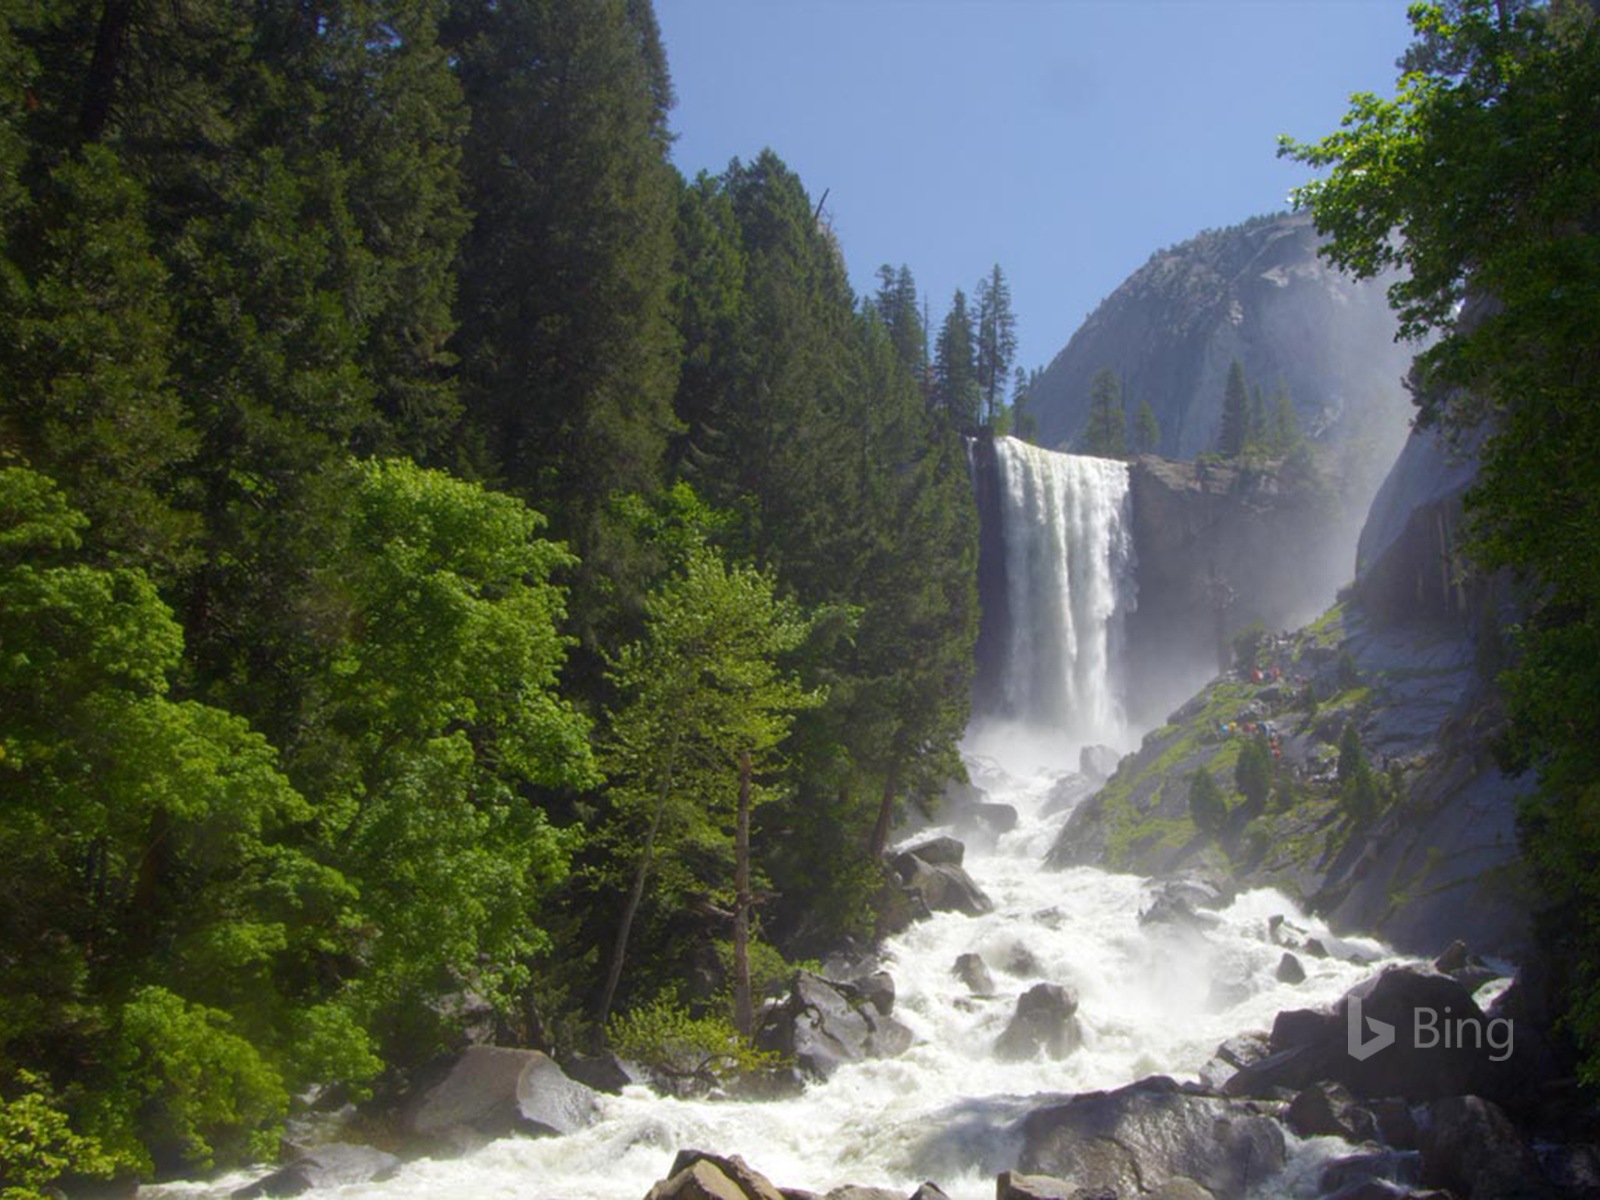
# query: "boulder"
[[854, 1191], [1470, 1147], [995, 818], [1328, 1110], [971, 970], [699, 1181], [602, 1072], [752, 1184], [928, 1190], [1289, 969], [1021, 962], [876, 989], [337, 1164], [1098, 762], [1046, 1019], [941, 887], [939, 851], [1402, 1168], [1419, 1006], [1151, 1133], [487, 1092], [1171, 908], [822, 1025], [1233, 1054], [1014, 1185]]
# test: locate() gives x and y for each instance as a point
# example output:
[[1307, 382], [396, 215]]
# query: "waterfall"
[[1067, 559]]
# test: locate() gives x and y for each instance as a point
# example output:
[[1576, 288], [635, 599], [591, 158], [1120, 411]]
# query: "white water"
[[1151, 1001], [1066, 524]]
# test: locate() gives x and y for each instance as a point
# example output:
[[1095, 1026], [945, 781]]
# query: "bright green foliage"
[[1234, 431], [956, 391], [996, 336], [662, 1037], [703, 689], [1146, 430], [1106, 433], [1208, 807], [441, 713], [38, 1143]]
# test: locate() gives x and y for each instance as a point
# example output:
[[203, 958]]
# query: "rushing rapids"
[[1153, 999]]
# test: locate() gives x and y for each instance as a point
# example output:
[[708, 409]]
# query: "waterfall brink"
[[1067, 559]]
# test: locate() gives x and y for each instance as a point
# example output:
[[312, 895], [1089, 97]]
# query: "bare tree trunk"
[[743, 1004], [619, 951], [100, 88], [880, 831]]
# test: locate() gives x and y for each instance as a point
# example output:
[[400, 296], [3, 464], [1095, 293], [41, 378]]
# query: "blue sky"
[[1066, 140]]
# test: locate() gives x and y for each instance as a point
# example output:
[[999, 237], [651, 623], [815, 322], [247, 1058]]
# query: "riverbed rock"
[[1014, 1185], [939, 851], [1310, 1046], [1149, 1133], [1402, 1168], [1045, 1019], [1170, 908], [603, 1072], [876, 989], [1289, 969], [928, 1190], [854, 1191], [752, 1184], [994, 818], [1329, 1110], [490, 1091], [701, 1180], [942, 887], [1470, 1147], [337, 1164], [1234, 1054], [822, 1025], [971, 970]]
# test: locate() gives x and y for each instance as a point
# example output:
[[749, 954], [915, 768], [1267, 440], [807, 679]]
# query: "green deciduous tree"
[[1478, 179]]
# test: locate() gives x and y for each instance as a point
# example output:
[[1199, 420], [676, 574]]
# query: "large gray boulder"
[[1046, 1020], [337, 1164], [1470, 1147], [1149, 1134], [971, 970], [822, 1025], [750, 1183], [491, 1091], [1418, 1005], [941, 887]]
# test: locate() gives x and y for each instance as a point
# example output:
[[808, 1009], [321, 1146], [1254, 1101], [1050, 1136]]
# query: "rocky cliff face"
[[1220, 546], [1257, 292]]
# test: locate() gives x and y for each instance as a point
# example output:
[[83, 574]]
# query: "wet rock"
[[939, 851], [941, 887], [1014, 1185], [995, 818], [1098, 762], [876, 989], [1402, 1168], [1309, 1047], [602, 1072], [490, 1091], [929, 1191], [852, 1191], [1315, 949], [699, 1181], [1046, 1019], [752, 1184], [1022, 962], [1067, 792], [1397, 1126], [337, 1164], [1328, 1110], [1200, 889], [1453, 959], [1151, 1133], [1383, 1189], [971, 970], [1289, 969], [1470, 1147], [1177, 1189], [1232, 1055], [822, 1026], [1170, 908]]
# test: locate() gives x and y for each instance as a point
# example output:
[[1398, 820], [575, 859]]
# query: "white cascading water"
[[1152, 1000]]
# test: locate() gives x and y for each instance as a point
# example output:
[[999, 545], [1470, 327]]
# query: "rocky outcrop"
[[490, 1091], [1258, 293], [823, 1024], [337, 1164], [1149, 1134], [1046, 1021]]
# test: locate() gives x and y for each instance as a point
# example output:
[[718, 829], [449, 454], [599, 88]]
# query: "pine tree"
[[1105, 434], [996, 340], [1146, 429], [1235, 428], [1283, 424], [955, 379]]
